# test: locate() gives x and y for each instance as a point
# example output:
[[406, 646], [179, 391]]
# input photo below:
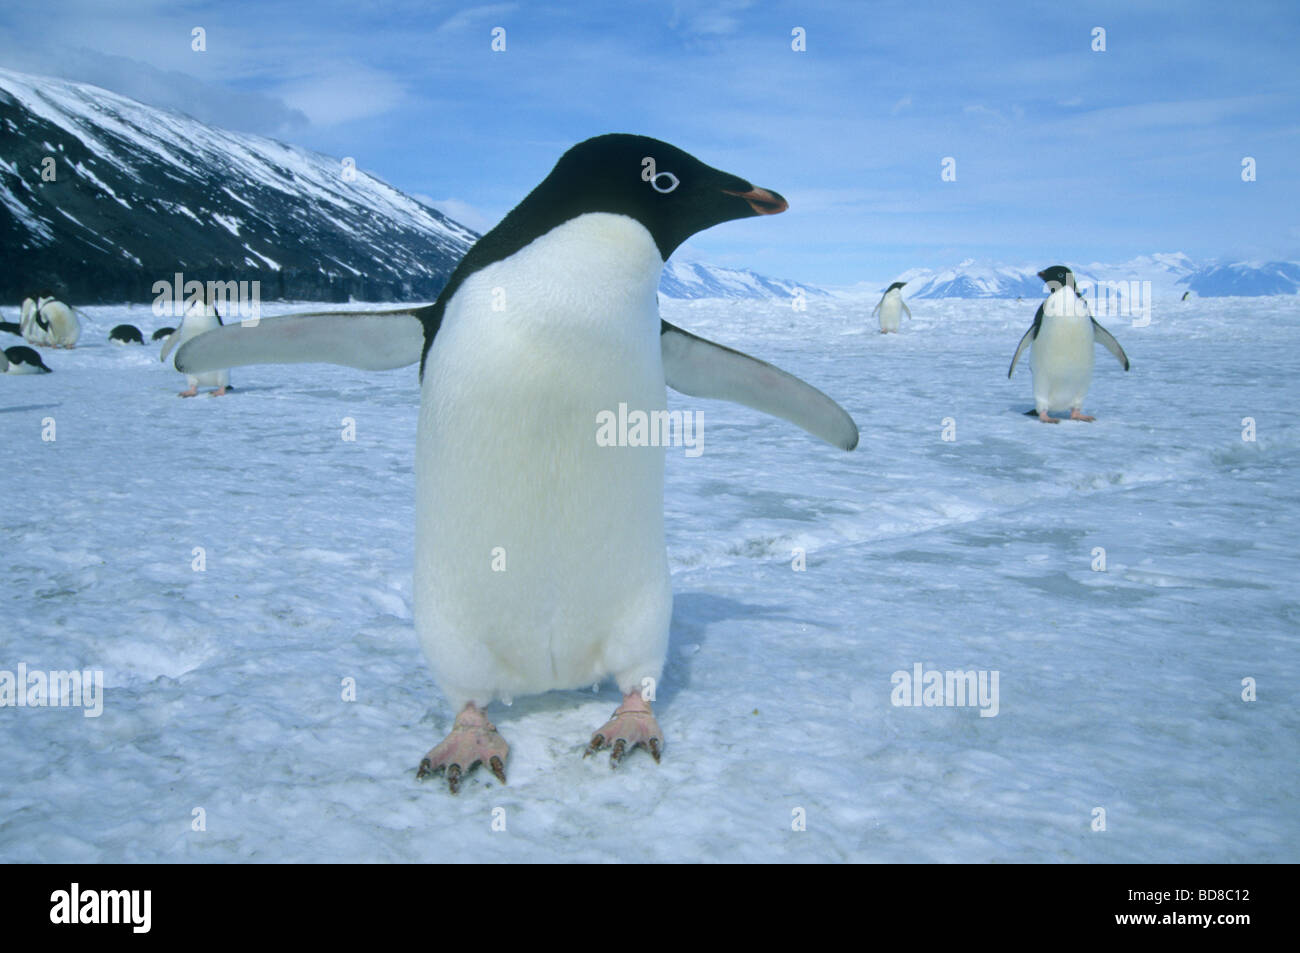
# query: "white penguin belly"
[[891, 312], [540, 556], [192, 325], [1061, 360]]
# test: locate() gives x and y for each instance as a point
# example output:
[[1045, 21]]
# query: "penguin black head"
[[895, 286], [1058, 276], [670, 192]]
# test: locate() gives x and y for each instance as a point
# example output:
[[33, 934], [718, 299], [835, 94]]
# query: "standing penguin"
[[52, 323], [1061, 340], [549, 321], [891, 307], [198, 319]]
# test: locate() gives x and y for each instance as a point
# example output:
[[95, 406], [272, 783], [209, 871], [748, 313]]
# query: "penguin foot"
[[1043, 416], [633, 725], [192, 392], [1076, 415], [473, 740], [219, 392]]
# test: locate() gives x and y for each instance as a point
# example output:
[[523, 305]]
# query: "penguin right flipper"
[[1107, 340], [369, 340], [700, 368], [1028, 339]]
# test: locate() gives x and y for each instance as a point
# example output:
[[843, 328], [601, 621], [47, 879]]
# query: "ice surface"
[[1118, 690]]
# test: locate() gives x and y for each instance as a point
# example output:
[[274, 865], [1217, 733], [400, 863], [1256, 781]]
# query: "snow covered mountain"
[[698, 280], [101, 196], [1170, 275], [1246, 279]]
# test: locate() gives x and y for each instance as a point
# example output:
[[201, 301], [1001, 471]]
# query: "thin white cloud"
[[342, 93]]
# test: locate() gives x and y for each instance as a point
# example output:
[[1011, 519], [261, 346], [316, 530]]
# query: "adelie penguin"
[[891, 307], [162, 333], [24, 360], [1061, 340], [126, 334], [198, 319], [540, 560], [49, 322]]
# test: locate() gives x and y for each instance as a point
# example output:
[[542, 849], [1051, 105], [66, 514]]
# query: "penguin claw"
[[633, 726], [473, 741]]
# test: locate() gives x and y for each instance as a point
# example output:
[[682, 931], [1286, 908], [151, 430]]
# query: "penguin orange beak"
[[762, 201]]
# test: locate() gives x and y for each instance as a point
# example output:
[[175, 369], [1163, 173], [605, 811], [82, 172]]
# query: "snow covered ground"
[[1119, 690]]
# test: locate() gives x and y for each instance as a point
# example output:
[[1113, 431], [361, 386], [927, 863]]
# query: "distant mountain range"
[[697, 280], [1169, 274]]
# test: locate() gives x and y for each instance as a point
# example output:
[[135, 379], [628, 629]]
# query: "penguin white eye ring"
[[654, 182]]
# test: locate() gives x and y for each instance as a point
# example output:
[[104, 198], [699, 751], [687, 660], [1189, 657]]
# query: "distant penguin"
[[510, 462], [126, 334], [162, 333], [24, 360], [1186, 295], [1061, 340], [198, 319], [891, 306], [53, 323]]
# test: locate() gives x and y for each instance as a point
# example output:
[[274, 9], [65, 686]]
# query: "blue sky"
[[1062, 153]]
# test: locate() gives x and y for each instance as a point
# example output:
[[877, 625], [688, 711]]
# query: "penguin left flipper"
[[700, 368], [368, 340], [1028, 339], [1107, 340]]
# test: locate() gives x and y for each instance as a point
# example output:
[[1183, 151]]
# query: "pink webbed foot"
[[633, 725], [192, 392], [1076, 414], [1043, 416], [219, 392], [473, 740]]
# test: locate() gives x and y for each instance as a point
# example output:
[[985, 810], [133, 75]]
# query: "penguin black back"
[[126, 334]]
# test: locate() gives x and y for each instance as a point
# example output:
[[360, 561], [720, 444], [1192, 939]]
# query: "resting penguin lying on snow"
[[1062, 338], [126, 334], [24, 360], [162, 333], [507, 457], [198, 319]]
